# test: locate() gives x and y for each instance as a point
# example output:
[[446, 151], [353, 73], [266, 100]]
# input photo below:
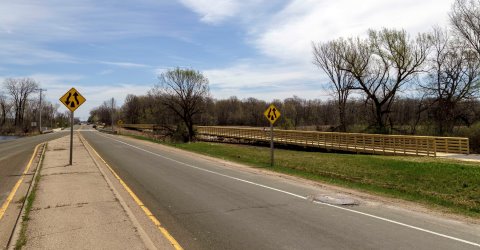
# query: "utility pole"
[[40, 118], [52, 117], [113, 110]]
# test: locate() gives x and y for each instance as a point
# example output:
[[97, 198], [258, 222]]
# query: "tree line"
[[408, 115], [20, 108]]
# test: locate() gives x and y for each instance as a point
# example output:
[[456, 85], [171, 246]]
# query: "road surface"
[[14, 156], [206, 205]]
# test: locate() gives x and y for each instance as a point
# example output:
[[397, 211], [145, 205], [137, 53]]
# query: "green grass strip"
[[22, 238]]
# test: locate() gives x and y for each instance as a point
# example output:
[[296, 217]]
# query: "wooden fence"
[[353, 142]]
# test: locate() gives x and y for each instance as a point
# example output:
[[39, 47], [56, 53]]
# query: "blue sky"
[[246, 48]]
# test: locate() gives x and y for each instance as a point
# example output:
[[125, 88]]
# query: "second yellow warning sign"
[[272, 114]]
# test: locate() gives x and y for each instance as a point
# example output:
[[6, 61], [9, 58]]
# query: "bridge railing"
[[353, 142], [138, 126]]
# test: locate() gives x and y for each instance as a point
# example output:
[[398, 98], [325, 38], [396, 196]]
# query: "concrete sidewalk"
[[75, 208], [461, 157]]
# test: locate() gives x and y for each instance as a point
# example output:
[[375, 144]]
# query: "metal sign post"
[[271, 144], [72, 100], [71, 138], [272, 114]]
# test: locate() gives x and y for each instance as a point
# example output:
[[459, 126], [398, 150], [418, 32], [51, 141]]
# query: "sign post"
[[272, 114], [72, 100], [71, 138]]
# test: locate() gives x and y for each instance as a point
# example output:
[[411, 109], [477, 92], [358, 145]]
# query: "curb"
[[172, 241], [143, 235]]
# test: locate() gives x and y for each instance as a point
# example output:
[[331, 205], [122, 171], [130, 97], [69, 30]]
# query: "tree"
[[254, 109], [328, 57], [184, 91], [131, 109], [453, 77], [382, 65], [294, 111], [465, 19], [102, 114], [4, 107], [19, 90]]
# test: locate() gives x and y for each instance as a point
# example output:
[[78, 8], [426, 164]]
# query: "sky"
[[246, 48]]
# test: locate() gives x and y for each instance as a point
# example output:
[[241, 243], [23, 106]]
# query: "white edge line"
[[302, 197]]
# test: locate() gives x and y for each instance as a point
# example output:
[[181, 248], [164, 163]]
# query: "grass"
[[22, 238], [21, 200], [448, 185]]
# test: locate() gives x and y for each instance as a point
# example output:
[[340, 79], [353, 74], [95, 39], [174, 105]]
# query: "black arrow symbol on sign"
[[72, 103], [272, 116], [76, 97], [67, 101]]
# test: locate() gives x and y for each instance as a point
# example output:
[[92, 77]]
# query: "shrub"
[[473, 134]]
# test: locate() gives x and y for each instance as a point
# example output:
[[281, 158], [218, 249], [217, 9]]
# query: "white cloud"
[[266, 81], [251, 74], [125, 64], [18, 52], [216, 11], [49, 79], [212, 11], [288, 35], [106, 72]]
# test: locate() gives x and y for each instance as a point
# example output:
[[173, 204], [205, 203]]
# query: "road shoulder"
[[75, 207], [134, 207], [12, 207], [367, 199]]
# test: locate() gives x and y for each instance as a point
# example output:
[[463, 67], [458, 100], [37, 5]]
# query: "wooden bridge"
[[352, 142]]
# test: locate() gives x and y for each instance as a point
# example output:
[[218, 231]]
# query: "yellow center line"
[[9, 199], [137, 200]]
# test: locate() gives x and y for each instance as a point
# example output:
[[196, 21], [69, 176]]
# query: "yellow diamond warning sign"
[[72, 99], [272, 114]]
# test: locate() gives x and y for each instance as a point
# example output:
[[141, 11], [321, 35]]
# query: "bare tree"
[[382, 65], [184, 91], [294, 111], [454, 77], [131, 109], [465, 19], [4, 107], [328, 57], [254, 108], [19, 90]]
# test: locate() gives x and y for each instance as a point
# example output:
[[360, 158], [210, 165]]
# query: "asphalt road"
[[14, 156], [206, 205]]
